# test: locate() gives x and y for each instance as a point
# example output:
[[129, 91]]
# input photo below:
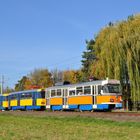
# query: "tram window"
[[72, 92], [22, 95], [28, 95], [13, 97], [111, 88], [0, 98], [87, 90], [79, 90], [58, 92], [42, 94], [105, 89], [99, 89], [5, 98], [53, 93]]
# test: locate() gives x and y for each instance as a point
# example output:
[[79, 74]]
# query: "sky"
[[51, 33]]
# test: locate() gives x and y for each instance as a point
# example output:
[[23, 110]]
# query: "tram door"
[[48, 99], [65, 98], [95, 93]]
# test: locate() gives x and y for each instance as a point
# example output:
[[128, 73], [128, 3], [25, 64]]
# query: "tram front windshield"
[[111, 88]]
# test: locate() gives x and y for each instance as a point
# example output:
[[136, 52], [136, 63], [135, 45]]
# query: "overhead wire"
[[61, 63]]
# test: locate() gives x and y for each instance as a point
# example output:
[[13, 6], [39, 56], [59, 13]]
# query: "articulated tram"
[[95, 95], [24, 100]]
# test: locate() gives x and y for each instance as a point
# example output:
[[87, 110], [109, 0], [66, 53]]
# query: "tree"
[[73, 76], [57, 75], [8, 90], [117, 51], [88, 58], [21, 84], [28, 84], [41, 78]]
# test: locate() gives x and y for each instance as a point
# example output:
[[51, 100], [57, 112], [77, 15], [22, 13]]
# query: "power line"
[[70, 64], [61, 62]]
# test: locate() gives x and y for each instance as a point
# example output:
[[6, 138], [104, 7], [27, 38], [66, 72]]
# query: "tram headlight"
[[111, 100], [43, 103]]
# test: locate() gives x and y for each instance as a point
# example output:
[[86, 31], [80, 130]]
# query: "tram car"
[[95, 95], [27, 100]]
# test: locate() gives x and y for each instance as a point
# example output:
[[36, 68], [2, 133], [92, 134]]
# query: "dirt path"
[[115, 116]]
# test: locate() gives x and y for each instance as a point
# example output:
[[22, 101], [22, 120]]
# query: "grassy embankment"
[[65, 128]]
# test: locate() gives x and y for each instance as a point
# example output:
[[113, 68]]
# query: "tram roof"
[[25, 91], [79, 84], [97, 82]]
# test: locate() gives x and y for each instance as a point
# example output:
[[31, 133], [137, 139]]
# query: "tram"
[[87, 96], [95, 95], [24, 100]]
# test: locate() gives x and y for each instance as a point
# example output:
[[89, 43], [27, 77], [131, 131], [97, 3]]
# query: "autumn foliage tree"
[[21, 84], [39, 78], [73, 76]]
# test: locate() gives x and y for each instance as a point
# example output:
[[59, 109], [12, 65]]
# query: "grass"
[[65, 128]]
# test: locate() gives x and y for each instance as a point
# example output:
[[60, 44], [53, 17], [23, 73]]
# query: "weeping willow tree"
[[117, 51]]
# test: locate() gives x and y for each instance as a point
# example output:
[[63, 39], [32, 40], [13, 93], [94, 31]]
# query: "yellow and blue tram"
[[27, 100], [24, 100], [95, 95]]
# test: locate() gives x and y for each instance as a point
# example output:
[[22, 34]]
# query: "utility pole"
[[2, 82]]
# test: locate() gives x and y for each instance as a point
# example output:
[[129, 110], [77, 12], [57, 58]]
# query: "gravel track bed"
[[115, 116]]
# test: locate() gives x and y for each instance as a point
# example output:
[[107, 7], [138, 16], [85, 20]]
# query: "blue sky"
[[51, 33]]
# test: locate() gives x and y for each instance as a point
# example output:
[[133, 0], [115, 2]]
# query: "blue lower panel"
[[56, 107], [33, 107], [85, 107], [29, 107], [26, 107], [102, 106], [118, 105], [16, 107], [73, 106], [37, 107], [22, 107]]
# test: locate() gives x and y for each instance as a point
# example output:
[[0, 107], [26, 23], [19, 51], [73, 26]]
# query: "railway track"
[[115, 116], [125, 113]]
